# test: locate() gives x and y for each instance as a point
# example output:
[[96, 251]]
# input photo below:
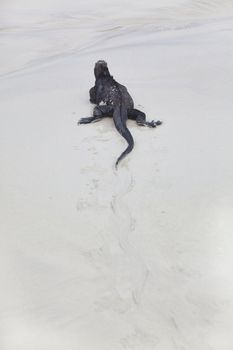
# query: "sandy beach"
[[135, 259]]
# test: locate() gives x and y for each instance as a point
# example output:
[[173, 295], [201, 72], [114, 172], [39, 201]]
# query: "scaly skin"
[[113, 100]]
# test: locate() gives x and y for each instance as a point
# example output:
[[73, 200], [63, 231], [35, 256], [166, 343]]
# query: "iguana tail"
[[120, 118]]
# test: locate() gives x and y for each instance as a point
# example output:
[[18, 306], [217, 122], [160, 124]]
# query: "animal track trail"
[[132, 272], [125, 222]]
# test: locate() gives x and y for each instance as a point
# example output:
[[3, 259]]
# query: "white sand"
[[140, 259]]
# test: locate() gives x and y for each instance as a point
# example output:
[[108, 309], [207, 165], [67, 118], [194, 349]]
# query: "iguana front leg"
[[92, 93]]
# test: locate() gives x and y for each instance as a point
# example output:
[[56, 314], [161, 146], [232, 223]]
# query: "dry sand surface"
[[141, 258]]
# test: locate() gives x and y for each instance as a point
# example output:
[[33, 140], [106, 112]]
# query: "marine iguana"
[[113, 100]]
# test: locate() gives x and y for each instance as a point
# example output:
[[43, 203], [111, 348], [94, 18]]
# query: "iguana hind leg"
[[99, 113], [88, 120], [140, 118]]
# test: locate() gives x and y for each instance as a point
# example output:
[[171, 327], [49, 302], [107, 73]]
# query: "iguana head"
[[101, 69]]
